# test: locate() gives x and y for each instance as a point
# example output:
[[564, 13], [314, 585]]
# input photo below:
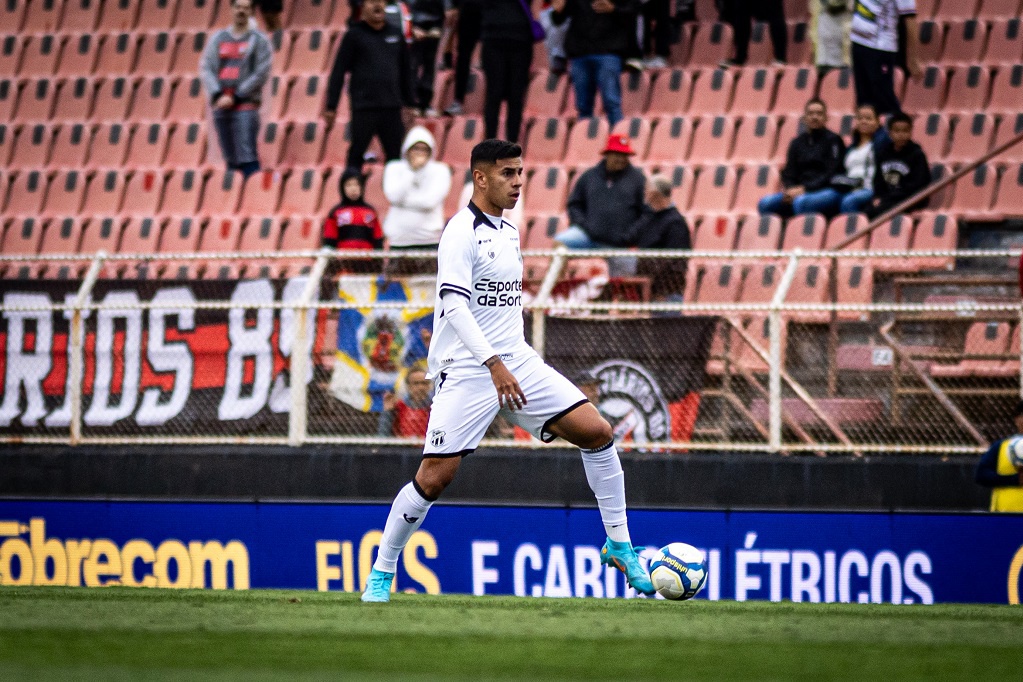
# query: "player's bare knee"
[[599, 434]]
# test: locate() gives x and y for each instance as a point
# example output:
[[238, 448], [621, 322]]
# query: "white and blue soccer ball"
[[1016, 452], [678, 571]]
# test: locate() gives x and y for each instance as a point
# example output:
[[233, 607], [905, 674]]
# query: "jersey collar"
[[479, 217]]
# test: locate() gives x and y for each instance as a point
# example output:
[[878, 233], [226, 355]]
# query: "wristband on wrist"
[[491, 361]]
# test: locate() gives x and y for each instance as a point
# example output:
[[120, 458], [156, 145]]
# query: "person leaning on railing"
[[996, 471]]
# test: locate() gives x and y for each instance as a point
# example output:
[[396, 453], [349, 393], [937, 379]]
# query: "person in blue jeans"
[[859, 159], [598, 36], [815, 156]]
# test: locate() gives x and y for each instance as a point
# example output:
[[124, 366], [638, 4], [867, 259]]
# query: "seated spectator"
[[416, 187], [815, 156], [407, 417], [662, 227], [353, 224], [996, 471], [901, 168], [858, 180], [235, 65], [606, 200]]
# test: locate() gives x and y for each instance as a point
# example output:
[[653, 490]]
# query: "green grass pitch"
[[121, 633]]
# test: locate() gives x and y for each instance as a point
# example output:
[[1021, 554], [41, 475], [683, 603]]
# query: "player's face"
[[502, 183]]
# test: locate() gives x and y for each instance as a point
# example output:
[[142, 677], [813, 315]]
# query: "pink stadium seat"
[[474, 94], [41, 55], [152, 99], [756, 139], [62, 236], [310, 13], [1010, 126], [187, 146], [27, 193], [957, 9], [189, 54], [305, 98], [546, 95], [309, 52], [638, 130], [836, 88], [335, 150], [761, 49], [713, 139], [712, 91], [927, 94], [714, 190], [272, 138], [141, 235], [70, 146], [711, 44], [895, 235], [262, 194], [32, 146], [933, 135], [8, 133], [156, 15], [194, 15], [671, 139], [586, 140], [119, 15], [968, 90], [11, 49], [188, 101], [805, 232], [261, 235], [965, 41], [671, 92], [105, 193], [302, 193], [534, 268], [1006, 90], [855, 285], [635, 92], [942, 198], [302, 233], [973, 137], [460, 177], [222, 234], [546, 191], [810, 285], [43, 16], [23, 237], [37, 99], [117, 54], [546, 139], [800, 47], [754, 91], [74, 100], [754, 183], [304, 146], [113, 99], [156, 54], [682, 181], [148, 146], [1005, 42], [182, 193], [280, 43], [931, 41], [8, 98], [975, 192], [720, 283], [12, 15], [982, 338], [844, 226], [788, 129], [80, 55], [759, 233], [1011, 367], [762, 279], [109, 145], [66, 194], [465, 133], [543, 228], [143, 192], [1009, 198], [994, 9], [716, 233], [180, 235], [796, 10]]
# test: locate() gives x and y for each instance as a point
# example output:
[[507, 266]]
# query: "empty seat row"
[[990, 350]]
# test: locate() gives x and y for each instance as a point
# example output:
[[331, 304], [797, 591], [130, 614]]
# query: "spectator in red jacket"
[[407, 417], [353, 225]]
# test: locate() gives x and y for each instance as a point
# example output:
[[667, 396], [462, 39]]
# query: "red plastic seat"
[[182, 193], [968, 89], [546, 191], [682, 181], [671, 93], [927, 94], [118, 16], [302, 193], [80, 55], [805, 232], [143, 192], [720, 283], [716, 233], [714, 190], [8, 98], [335, 151], [931, 41], [36, 103], [313, 13], [262, 194], [756, 139], [1010, 126], [638, 130], [755, 182], [11, 49], [759, 233], [586, 140], [43, 16], [261, 235], [761, 281], [855, 282], [635, 92], [982, 338], [142, 236], [8, 134], [148, 146], [974, 193], [31, 149], [272, 138], [671, 138], [474, 94], [712, 91], [754, 91], [222, 234], [810, 285], [956, 9], [994, 9], [27, 193], [304, 146], [23, 237], [189, 53], [543, 228], [712, 139], [973, 137], [221, 193], [1006, 90], [546, 94], [12, 15], [156, 54], [109, 145], [103, 233], [74, 100], [1009, 198], [1005, 42], [790, 127], [305, 98], [546, 139], [195, 15], [309, 51], [117, 54], [41, 55], [844, 226], [933, 135], [152, 99], [838, 90], [187, 146], [943, 197], [113, 99], [181, 235], [66, 194], [935, 232], [70, 146], [965, 41], [188, 102], [156, 15], [711, 44], [465, 133], [105, 193], [895, 235], [301, 234]]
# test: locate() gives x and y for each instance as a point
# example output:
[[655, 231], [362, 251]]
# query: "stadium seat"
[[1005, 42], [974, 193], [761, 48], [143, 192], [42, 16], [262, 194], [305, 98], [712, 139], [546, 94], [141, 235], [927, 94], [754, 183], [1009, 198], [460, 176], [635, 92], [304, 146], [671, 93], [65, 194], [844, 226], [712, 91], [156, 15], [40, 56], [720, 283], [586, 140], [182, 193], [74, 100], [933, 135], [180, 235], [756, 139], [761, 281], [8, 134], [23, 237], [70, 146], [943, 197], [956, 9], [1006, 90], [313, 13], [546, 191], [188, 101], [272, 138], [805, 232], [301, 234], [187, 146], [189, 54], [837, 89], [855, 282], [546, 139], [973, 137], [11, 49], [895, 235], [309, 52], [222, 234], [711, 44], [105, 193], [32, 146], [1010, 126], [148, 146], [935, 232], [474, 94], [968, 89], [543, 228], [260, 235], [156, 54], [682, 181], [118, 15], [800, 46], [754, 91], [103, 233], [714, 190], [37, 99], [152, 99], [790, 127], [759, 233], [335, 150], [670, 139], [27, 194], [79, 55], [117, 55], [716, 233], [195, 15], [113, 99], [109, 145], [982, 338], [995, 9], [302, 193], [1010, 368], [811, 284], [638, 130], [465, 133], [965, 40], [8, 98], [931, 41], [280, 43], [12, 15]]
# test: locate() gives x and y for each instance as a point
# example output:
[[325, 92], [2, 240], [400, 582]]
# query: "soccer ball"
[[678, 571], [1016, 452]]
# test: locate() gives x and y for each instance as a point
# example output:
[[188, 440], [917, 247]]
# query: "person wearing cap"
[[996, 470], [606, 200], [662, 227]]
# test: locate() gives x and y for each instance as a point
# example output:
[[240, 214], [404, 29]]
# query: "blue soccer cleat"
[[622, 556], [378, 587]]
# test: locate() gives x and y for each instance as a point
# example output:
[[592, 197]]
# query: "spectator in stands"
[[468, 15], [655, 18], [407, 417], [901, 168], [271, 11], [815, 156], [607, 199], [996, 471], [554, 41], [377, 57], [741, 13], [858, 180], [234, 67], [416, 187], [353, 224], [602, 32], [427, 27], [507, 54], [661, 226], [830, 21], [875, 46]]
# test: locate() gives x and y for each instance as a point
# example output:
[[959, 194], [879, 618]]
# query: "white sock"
[[607, 481], [407, 513]]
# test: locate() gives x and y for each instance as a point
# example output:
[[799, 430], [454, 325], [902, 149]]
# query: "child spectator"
[[408, 417], [901, 168], [353, 224]]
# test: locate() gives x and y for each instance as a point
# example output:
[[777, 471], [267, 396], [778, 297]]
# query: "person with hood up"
[[416, 187], [352, 224]]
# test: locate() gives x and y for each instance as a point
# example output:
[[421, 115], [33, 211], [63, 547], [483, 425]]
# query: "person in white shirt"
[[416, 186], [859, 160], [482, 366], [874, 33]]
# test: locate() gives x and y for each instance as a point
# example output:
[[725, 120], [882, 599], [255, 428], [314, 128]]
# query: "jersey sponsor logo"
[[496, 293], [437, 438], [631, 400]]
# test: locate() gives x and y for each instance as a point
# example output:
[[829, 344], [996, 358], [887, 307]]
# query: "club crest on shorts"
[[437, 438], [631, 400]]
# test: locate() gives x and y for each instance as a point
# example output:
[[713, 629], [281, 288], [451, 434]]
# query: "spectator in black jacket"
[[377, 57], [814, 158], [468, 17], [602, 33], [507, 55], [661, 226], [606, 201], [427, 27], [901, 168]]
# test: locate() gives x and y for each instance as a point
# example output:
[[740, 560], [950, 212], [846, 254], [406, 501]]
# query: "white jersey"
[[482, 262], [875, 23]]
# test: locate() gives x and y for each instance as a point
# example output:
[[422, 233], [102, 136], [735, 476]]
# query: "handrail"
[[926, 192]]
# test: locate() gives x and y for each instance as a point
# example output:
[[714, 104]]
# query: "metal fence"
[[784, 367]]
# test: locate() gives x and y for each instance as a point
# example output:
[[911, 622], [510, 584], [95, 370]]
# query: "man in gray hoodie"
[[234, 67]]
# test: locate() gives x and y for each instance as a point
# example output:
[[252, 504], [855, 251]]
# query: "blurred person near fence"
[[234, 66], [996, 470], [407, 417], [354, 225], [661, 226]]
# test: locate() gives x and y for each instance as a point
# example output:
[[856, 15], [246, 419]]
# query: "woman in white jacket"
[[416, 187]]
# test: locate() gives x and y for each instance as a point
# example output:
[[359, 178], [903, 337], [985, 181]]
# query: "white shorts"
[[465, 404]]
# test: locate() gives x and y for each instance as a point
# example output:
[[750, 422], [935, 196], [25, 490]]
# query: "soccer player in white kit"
[[481, 365]]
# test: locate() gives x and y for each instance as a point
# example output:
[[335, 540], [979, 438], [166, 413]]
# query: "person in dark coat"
[[661, 226], [901, 168]]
